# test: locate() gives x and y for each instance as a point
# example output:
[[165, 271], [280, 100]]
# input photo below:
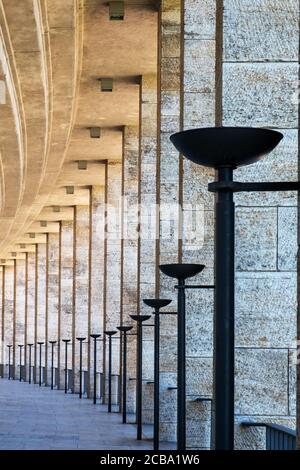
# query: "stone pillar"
[[66, 293], [96, 297], [53, 296], [113, 260], [200, 87], [31, 308], [41, 299], [130, 267], [81, 286], [2, 276], [170, 188], [8, 323], [148, 249], [260, 88], [20, 308]]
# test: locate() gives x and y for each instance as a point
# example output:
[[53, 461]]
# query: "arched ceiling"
[[52, 54]]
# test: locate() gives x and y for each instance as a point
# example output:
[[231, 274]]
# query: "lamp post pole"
[[9, 349], [109, 334], [95, 337], [29, 362], [225, 149], [80, 365], [124, 330], [20, 349], [139, 371], [156, 304], [40, 343], [181, 272], [66, 341], [52, 363]]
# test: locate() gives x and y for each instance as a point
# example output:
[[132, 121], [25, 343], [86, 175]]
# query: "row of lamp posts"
[[223, 149]]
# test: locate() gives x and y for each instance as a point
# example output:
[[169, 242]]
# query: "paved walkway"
[[34, 418]]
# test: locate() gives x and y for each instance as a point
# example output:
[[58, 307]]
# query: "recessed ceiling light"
[[116, 11], [82, 165], [70, 189], [95, 132], [106, 84]]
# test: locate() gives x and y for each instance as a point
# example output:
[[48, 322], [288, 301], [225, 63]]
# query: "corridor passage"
[[33, 418]]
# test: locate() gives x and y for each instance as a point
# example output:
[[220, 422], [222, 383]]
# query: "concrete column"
[[81, 286], [170, 196], [20, 308], [113, 260], [66, 294], [53, 294], [9, 315], [200, 104], [148, 249], [130, 262], [31, 302], [2, 275], [96, 276], [41, 298]]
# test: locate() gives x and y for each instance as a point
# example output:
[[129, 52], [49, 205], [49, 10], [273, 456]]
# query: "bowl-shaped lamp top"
[[157, 303], [218, 147], [181, 271]]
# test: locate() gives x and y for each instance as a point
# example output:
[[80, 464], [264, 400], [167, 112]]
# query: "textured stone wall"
[[66, 293], [260, 83]]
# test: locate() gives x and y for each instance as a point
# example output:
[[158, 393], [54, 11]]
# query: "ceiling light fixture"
[[95, 132], [116, 11], [106, 84], [82, 165], [70, 189]]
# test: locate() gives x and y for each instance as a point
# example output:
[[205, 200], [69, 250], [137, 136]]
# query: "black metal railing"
[[277, 437]]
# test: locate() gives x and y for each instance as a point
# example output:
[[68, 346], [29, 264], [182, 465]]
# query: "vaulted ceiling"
[[52, 54]]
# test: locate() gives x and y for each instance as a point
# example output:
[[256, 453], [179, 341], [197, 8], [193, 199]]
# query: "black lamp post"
[[139, 371], [157, 304], [225, 149], [181, 272], [95, 337], [109, 334], [80, 365], [52, 363], [29, 362], [9, 349], [66, 341], [40, 343], [124, 330], [20, 346]]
